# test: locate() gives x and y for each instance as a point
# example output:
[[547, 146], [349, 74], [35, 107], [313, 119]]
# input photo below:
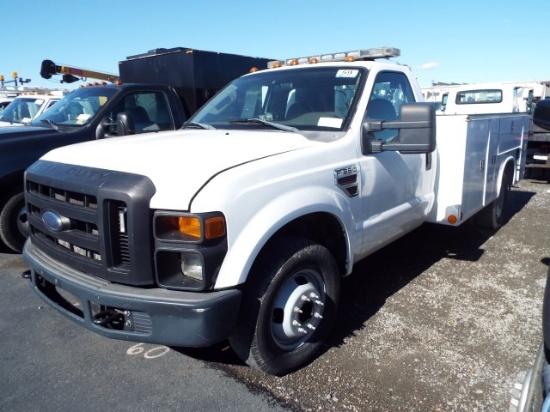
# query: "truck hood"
[[6, 124], [19, 130], [181, 161]]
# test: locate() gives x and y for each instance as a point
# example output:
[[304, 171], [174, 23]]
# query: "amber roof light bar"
[[362, 54]]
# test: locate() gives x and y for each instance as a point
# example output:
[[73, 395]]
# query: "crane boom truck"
[[241, 225], [27, 106], [156, 91]]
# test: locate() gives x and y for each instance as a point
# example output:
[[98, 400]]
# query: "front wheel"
[[289, 305]]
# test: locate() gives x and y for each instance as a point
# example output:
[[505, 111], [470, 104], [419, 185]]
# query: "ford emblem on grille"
[[55, 222]]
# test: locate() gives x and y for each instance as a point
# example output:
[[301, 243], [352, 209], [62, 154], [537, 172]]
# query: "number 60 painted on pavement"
[[152, 353]]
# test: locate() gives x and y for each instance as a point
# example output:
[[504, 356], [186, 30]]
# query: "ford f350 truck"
[[241, 225], [156, 91]]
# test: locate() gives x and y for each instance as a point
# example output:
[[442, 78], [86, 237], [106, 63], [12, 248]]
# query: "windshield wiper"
[[266, 123], [198, 126], [52, 124]]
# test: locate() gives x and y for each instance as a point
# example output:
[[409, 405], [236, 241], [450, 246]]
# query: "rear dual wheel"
[[492, 216], [289, 305]]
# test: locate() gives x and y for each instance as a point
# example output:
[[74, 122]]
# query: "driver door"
[[397, 189]]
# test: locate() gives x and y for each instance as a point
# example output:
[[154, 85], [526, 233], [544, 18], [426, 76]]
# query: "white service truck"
[[488, 98], [26, 107], [241, 225]]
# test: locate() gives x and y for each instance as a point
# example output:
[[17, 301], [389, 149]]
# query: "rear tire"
[[10, 232], [289, 304], [492, 215]]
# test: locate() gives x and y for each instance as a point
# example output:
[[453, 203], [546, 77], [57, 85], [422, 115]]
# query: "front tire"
[[289, 304]]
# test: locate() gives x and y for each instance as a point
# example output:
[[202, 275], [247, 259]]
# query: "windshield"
[[22, 109], [77, 108], [317, 99], [4, 104]]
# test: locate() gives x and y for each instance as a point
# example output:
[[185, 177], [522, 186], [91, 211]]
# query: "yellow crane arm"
[[49, 68]]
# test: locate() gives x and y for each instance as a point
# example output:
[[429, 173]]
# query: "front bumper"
[[149, 315]]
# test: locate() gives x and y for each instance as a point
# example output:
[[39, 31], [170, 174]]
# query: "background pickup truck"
[[85, 114], [24, 108], [241, 225]]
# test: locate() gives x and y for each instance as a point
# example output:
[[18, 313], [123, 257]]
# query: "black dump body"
[[541, 116], [196, 75], [537, 163]]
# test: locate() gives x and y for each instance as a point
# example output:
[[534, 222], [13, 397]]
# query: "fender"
[[21, 146], [247, 244], [510, 158], [504, 165]]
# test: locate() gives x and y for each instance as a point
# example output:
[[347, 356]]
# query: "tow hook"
[[26, 274], [109, 318]]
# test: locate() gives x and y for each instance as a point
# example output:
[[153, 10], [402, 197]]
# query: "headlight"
[[189, 249], [191, 265], [189, 228]]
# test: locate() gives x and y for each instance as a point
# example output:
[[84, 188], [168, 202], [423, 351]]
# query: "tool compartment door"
[[480, 170]]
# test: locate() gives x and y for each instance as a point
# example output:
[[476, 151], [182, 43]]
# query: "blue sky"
[[463, 41]]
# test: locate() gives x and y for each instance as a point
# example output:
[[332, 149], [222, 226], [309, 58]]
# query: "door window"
[[391, 90]]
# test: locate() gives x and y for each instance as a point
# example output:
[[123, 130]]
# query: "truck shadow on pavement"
[[384, 273]]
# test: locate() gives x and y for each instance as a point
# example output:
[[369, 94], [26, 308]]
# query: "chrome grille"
[[90, 254], [93, 220], [121, 246], [74, 198], [82, 234]]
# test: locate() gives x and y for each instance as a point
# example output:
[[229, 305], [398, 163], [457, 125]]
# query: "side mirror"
[[105, 129], [415, 126], [125, 124]]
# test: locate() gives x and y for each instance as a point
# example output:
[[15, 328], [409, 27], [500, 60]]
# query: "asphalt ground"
[[47, 363], [441, 320]]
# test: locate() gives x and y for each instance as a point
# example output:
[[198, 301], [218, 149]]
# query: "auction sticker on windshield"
[[347, 73]]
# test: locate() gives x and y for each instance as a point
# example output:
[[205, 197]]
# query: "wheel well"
[[509, 172], [11, 182], [322, 228]]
